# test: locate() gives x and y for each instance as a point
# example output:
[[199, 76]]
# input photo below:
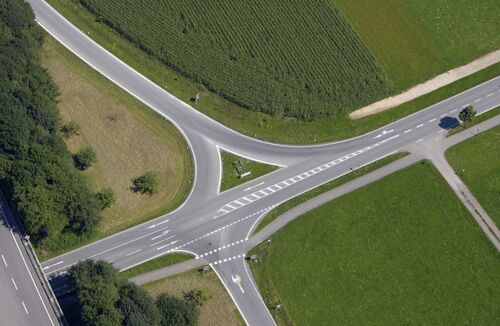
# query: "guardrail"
[[37, 267]]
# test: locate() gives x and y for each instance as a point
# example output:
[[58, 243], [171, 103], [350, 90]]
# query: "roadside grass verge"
[[415, 40], [233, 166], [154, 264], [128, 138], [478, 119], [286, 206], [254, 124], [477, 162], [219, 308], [402, 250]]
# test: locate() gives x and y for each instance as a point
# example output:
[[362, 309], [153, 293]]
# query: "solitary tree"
[[146, 183], [467, 114], [70, 129], [85, 158], [106, 198]]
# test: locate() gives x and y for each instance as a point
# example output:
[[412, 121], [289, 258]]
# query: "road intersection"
[[215, 227]]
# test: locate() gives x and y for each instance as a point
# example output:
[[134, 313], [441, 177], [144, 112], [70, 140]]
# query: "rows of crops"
[[288, 58]]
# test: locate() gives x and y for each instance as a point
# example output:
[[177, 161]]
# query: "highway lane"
[[22, 300], [214, 225]]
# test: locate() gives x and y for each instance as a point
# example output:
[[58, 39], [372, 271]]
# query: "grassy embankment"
[[325, 187], [477, 162], [230, 174], [415, 40], [128, 137], [253, 123], [218, 310], [402, 250]]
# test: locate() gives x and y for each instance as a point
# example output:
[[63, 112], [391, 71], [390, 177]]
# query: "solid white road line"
[[50, 266], [14, 282], [24, 306], [155, 225], [249, 188], [4, 261]]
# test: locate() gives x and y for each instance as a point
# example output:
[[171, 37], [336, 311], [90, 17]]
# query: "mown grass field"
[[230, 174], [255, 124], [128, 138], [477, 162], [218, 310], [415, 40], [401, 251], [293, 59]]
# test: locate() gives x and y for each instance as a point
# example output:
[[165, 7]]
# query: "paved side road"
[[24, 294]]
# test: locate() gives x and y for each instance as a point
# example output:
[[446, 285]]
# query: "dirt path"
[[428, 86]]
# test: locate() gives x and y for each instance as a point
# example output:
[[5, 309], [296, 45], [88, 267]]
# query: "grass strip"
[[154, 264], [478, 119], [476, 161]]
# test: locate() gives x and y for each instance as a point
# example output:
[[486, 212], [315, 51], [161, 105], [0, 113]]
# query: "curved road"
[[216, 226]]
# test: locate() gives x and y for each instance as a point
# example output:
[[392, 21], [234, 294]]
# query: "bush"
[[467, 114], [198, 297], [85, 158], [70, 129], [106, 198], [176, 312], [104, 298], [146, 183]]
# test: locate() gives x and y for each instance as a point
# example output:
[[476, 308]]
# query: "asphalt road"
[[213, 226], [22, 300]]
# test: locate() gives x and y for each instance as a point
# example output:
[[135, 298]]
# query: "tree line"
[[37, 172], [104, 298]]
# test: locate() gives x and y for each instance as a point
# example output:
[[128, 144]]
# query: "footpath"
[[428, 86]]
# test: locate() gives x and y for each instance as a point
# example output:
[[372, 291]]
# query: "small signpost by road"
[[240, 169]]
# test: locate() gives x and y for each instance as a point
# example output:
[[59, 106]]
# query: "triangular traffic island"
[[237, 170]]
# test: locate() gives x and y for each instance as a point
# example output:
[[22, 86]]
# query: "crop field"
[[296, 58]]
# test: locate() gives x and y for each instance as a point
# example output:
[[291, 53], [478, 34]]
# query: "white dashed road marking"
[[489, 94], [454, 110], [14, 282], [4, 261], [418, 141], [133, 252], [407, 131], [420, 125], [24, 306], [477, 100], [431, 120]]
